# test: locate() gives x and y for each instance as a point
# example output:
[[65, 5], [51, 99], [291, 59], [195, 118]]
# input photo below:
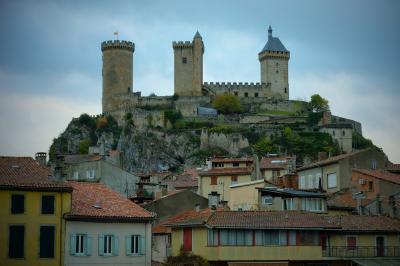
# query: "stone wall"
[[232, 143]]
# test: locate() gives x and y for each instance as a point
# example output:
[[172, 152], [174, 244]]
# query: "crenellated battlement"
[[117, 44], [236, 85], [182, 44]]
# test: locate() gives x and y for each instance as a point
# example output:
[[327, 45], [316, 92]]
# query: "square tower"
[[188, 67], [274, 61]]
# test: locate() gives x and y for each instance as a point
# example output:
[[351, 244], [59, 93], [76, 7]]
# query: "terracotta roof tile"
[[97, 201], [380, 174], [330, 160], [227, 171], [184, 181], [275, 162], [365, 223], [268, 219], [231, 160], [189, 217], [24, 173]]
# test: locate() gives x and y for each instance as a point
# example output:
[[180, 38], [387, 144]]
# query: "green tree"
[[263, 146], [84, 146], [185, 258], [227, 104], [318, 103]]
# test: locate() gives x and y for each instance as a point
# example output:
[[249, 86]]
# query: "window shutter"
[[115, 248], [128, 245], [101, 245], [88, 245], [72, 244], [142, 247]]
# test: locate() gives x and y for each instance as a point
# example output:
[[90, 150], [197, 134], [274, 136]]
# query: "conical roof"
[[273, 44], [197, 35]]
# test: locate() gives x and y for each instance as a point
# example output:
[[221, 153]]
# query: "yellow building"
[[244, 196], [288, 237], [31, 225], [224, 172]]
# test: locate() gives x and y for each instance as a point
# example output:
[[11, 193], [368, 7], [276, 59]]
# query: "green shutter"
[[142, 245], [115, 248], [88, 245], [128, 245], [101, 245], [72, 244]]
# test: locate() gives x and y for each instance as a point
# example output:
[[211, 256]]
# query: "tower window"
[[184, 60], [277, 64], [256, 94], [285, 90], [246, 94], [277, 71], [236, 93]]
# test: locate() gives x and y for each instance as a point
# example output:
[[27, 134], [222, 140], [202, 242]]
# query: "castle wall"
[[141, 118], [232, 143], [245, 90], [188, 105]]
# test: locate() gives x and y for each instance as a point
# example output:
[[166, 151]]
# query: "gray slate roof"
[[197, 35], [274, 44]]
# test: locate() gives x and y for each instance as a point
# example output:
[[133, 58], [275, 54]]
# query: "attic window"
[[184, 60]]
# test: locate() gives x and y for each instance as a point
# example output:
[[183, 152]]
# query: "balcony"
[[361, 252]]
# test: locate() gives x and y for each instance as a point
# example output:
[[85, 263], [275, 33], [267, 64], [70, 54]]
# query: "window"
[[371, 186], [91, 174], [16, 241], [234, 180], [135, 245], [47, 204], [343, 133], [17, 204], [232, 237], [333, 132], [184, 60], [309, 238], [246, 94], [212, 237], [332, 182], [351, 242], [288, 204], [319, 180], [266, 200], [256, 94], [80, 245], [292, 238], [214, 180], [373, 164], [271, 238], [107, 249], [236, 93], [108, 245], [235, 164], [277, 71], [76, 175], [285, 90], [47, 241], [312, 204], [302, 182]]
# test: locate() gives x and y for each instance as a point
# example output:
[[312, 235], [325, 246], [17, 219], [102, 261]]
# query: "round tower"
[[117, 71]]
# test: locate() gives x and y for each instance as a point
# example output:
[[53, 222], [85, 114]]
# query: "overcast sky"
[[50, 58]]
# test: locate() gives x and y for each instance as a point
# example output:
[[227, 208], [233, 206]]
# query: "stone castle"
[[190, 92]]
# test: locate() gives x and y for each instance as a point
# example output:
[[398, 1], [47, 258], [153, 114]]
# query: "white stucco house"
[[105, 228]]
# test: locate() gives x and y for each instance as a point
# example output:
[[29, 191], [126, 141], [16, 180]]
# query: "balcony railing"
[[361, 252]]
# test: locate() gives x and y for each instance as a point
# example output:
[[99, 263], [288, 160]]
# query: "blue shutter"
[[115, 247], [128, 245], [88, 245], [142, 245], [72, 244], [101, 245]]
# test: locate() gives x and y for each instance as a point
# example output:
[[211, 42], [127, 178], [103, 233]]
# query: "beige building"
[[334, 173], [341, 133], [273, 167], [221, 173], [244, 196]]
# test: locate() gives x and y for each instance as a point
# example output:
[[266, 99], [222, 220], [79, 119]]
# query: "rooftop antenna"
[[116, 34]]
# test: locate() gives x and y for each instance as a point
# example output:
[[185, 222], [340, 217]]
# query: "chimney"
[[213, 209], [213, 199], [197, 207], [41, 158]]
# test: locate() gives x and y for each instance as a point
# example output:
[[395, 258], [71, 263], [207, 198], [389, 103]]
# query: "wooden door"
[[380, 246], [187, 239]]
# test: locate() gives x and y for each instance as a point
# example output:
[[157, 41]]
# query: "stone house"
[[282, 199], [342, 133], [106, 228], [273, 167], [334, 173], [380, 187], [93, 168]]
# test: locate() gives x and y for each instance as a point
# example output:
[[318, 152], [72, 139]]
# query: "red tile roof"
[[184, 181], [365, 223], [394, 167], [275, 162], [231, 160], [81, 158], [226, 171], [97, 201], [268, 220], [189, 217], [330, 160], [344, 199], [380, 174], [24, 173]]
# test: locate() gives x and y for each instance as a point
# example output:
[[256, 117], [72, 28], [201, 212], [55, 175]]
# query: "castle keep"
[[190, 92]]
